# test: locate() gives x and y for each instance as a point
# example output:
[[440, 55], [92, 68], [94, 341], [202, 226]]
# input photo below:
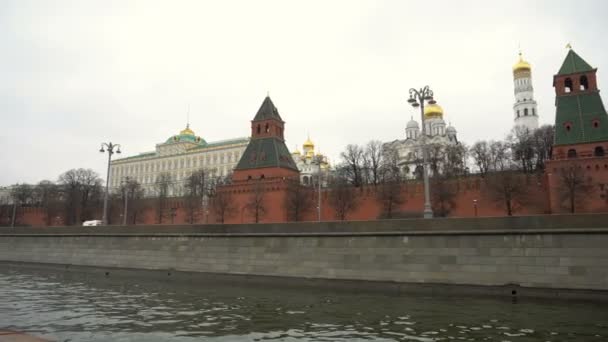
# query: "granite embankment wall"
[[551, 252]]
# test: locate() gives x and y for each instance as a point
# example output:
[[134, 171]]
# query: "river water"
[[81, 307]]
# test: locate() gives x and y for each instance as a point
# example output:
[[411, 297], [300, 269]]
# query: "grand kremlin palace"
[[179, 156]]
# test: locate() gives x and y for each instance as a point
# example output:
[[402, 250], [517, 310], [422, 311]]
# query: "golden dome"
[[433, 111], [308, 144], [187, 131], [310, 154], [521, 65], [296, 152]]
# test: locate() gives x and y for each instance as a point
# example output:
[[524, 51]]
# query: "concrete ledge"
[[312, 234], [588, 223], [511, 292]]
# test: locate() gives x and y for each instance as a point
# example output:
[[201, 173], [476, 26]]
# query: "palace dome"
[[433, 111], [186, 135]]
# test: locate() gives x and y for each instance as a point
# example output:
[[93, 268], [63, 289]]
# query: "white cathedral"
[[525, 111], [409, 150]]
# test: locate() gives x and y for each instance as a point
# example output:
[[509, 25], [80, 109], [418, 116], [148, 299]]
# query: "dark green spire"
[[267, 111], [574, 64]]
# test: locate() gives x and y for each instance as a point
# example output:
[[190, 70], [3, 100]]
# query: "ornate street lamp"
[[417, 99], [318, 160], [109, 147]]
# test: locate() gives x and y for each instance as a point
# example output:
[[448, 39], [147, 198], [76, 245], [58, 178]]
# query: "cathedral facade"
[[311, 164], [409, 150]]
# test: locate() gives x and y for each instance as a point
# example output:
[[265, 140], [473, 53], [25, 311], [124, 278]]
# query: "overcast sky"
[[78, 73]]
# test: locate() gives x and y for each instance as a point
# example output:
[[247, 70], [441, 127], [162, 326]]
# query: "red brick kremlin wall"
[[468, 191]]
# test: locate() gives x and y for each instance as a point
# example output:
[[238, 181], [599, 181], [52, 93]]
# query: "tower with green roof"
[[581, 122], [266, 156]]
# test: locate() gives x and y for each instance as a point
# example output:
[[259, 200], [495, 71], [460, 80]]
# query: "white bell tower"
[[525, 111]]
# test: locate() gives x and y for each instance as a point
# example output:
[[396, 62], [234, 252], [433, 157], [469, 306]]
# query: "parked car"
[[92, 223]]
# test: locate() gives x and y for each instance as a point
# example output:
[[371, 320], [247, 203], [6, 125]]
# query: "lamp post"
[[109, 147], [126, 195], [417, 99], [475, 206], [318, 160]]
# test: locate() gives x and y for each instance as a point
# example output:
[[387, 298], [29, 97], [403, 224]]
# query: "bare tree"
[[455, 160], [22, 195], [480, 151], [82, 191], [342, 195], [500, 157], [373, 160], [222, 204], [256, 204], [574, 186], [390, 190], [162, 184], [443, 195], [352, 160], [522, 148], [197, 188], [436, 158], [543, 138], [508, 187], [298, 200], [47, 196], [131, 193]]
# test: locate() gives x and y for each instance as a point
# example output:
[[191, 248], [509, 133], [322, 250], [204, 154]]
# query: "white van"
[[92, 223]]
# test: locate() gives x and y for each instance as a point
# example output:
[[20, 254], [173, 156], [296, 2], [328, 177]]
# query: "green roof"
[[223, 143], [186, 138], [580, 112], [574, 64], [267, 111], [266, 152]]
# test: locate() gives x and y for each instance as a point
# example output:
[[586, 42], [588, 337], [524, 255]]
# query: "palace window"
[[525, 111]]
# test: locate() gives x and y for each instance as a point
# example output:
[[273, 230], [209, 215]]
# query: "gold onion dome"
[[308, 144], [433, 111], [521, 65], [296, 152], [187, 131]]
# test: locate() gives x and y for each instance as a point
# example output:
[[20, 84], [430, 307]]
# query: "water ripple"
[[78, 307]]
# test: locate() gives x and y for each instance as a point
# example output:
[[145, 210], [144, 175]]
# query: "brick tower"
[[581, 132], [266, 156]]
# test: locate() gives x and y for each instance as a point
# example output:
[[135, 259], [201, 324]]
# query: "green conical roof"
[[267, 111], [266, 152], [574, 64]]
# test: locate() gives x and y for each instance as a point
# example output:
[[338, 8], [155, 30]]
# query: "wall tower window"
[[568, 85], [571, 153], [598, 151], [584, 83]]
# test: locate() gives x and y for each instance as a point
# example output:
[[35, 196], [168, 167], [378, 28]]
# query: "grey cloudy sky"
[[76, 73]]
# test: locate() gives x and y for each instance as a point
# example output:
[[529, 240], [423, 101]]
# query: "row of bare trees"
[[75, 196]]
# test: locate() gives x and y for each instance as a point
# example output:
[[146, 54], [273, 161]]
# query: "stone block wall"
[[540, 258]]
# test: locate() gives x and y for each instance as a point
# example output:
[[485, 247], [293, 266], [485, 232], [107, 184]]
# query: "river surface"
[[81, 307]]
